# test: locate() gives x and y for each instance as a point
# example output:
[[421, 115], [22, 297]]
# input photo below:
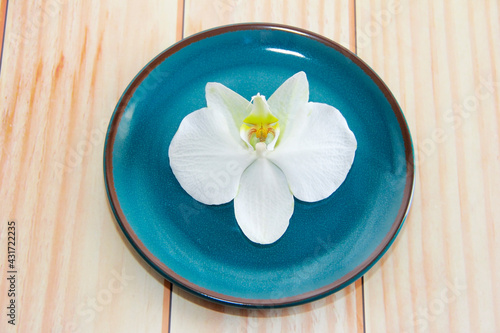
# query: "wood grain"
[[336, 313], [68, 64], [332, 19], [342, 312], [441, 273]]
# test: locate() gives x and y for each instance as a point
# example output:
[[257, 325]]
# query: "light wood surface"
[[66, 63]]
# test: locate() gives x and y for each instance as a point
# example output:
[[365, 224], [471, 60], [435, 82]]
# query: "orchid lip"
[[260, 126]]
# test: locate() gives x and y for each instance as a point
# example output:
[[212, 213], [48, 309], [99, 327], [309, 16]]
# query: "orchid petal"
[[288, 101], [233, 105], [264, 203], [318, 156], [206, 160]]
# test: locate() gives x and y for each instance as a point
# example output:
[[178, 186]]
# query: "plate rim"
[[173, 277]]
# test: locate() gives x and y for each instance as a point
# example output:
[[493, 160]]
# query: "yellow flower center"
[[261, 132], [260, 125]]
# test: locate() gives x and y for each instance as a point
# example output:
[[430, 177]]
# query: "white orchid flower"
[[262, 154]]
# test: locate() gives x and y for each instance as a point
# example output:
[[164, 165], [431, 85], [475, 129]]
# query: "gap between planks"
[[3, 23], [167, 292]]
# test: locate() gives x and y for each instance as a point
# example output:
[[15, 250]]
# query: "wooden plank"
[[336, 313], [68, 63], [340, 312], [440, 62], [332, 19]]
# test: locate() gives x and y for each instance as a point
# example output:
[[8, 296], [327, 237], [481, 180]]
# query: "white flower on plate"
[[262, 154]]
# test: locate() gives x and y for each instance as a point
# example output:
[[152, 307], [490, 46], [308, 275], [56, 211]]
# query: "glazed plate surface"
[[330, 243]]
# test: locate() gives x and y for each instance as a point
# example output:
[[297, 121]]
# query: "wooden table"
[[64, 66]]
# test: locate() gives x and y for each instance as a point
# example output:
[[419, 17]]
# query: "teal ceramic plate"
[[329, 244]]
